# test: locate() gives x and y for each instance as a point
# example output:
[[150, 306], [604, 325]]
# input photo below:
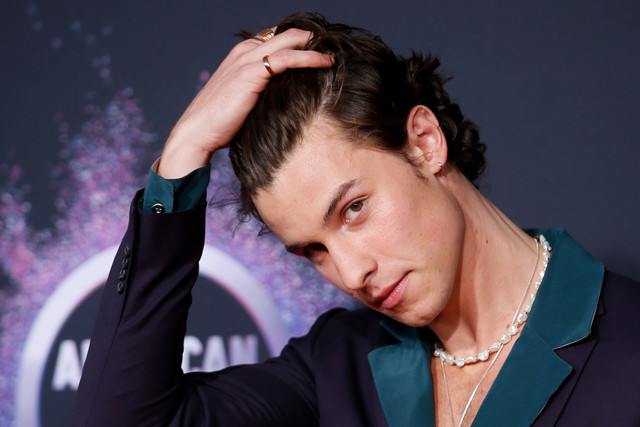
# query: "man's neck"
[[497, 263]]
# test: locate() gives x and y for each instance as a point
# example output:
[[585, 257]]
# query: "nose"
[[355, 264]]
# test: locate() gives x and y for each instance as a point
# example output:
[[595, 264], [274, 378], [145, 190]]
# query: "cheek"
[[431, 225], [447, 235], [396, 216], [409, 222]]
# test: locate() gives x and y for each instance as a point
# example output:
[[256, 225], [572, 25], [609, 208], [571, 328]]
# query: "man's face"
[[369, 223]]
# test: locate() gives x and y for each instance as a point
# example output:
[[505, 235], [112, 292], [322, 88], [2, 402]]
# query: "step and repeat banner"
[[89, 92]]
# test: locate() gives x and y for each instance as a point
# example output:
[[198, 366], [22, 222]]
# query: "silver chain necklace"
[[514, 328]]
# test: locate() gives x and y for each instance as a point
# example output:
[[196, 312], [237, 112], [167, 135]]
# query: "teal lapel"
[[562, 314], [403, 379], [531, 374]]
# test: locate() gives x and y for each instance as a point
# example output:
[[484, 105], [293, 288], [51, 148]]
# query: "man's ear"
[[427, 143]]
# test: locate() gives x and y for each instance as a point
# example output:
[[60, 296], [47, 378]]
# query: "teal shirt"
[[171, 195]]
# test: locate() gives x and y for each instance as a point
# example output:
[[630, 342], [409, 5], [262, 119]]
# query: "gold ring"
[[265, 34], [265, 61]]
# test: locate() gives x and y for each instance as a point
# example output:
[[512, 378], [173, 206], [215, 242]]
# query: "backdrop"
[[90, 90]]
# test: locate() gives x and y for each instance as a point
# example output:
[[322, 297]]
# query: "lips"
[[392, 295]]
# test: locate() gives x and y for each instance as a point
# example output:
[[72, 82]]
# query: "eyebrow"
[[339, 194], [337, 198]]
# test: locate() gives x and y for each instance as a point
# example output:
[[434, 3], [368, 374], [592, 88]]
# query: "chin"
[[415, 321]]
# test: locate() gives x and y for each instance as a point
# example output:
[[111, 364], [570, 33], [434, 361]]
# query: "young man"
[[356, 159]]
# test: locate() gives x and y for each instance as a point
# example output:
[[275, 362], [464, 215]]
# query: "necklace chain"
[[518, 319], [517, 322]]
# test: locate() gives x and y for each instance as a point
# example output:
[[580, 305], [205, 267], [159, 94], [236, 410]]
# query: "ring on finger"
[[265, 35], [265, 61]]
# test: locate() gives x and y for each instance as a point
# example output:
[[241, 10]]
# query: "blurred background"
[[90, 90]]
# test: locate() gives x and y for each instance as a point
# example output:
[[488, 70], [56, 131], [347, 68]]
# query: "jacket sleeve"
[[132, 375]]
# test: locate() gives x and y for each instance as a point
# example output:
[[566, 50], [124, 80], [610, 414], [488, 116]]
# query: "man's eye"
[[314, 251], [353, 211], [356, 206]]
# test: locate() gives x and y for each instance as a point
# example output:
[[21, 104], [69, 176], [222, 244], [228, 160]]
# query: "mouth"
[[392, 295]]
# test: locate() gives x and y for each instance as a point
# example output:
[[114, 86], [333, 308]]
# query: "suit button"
[[120, 287], [158, 208], [127, 251], [125, 263], [122, 275]]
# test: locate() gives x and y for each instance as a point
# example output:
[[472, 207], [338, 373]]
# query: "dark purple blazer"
[[354, 368]]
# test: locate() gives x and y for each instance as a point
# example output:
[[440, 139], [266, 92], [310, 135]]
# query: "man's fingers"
[[283, 60], [291, 39]]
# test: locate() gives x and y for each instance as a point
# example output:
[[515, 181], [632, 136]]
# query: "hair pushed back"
[[368, 94]]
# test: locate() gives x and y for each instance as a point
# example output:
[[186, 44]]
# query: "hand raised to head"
[[218, 111]]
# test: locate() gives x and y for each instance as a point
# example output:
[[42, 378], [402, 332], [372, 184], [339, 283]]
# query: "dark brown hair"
[[368, 94]]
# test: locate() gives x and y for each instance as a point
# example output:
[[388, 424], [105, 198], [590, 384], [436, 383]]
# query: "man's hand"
[[218, 111]]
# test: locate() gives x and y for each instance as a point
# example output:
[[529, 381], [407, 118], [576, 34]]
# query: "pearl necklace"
[[517, 322]]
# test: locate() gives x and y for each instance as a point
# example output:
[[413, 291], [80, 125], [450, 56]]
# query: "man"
[[357, 160]]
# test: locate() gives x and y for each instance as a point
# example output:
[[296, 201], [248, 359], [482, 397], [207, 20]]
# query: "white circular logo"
[[246, 327]]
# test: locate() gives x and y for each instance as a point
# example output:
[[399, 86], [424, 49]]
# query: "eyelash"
[[312, 250]]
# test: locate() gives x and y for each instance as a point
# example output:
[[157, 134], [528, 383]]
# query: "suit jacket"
[[573, 364]]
